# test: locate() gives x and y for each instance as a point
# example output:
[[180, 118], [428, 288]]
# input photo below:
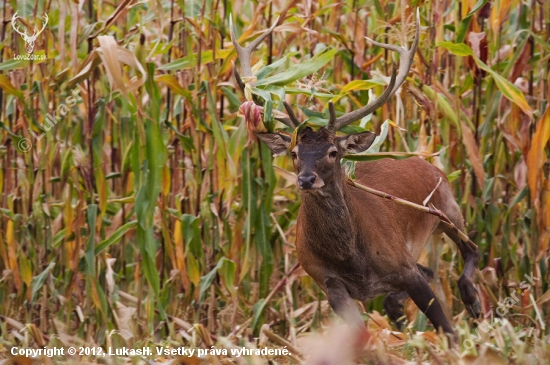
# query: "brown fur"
[[365, 238]]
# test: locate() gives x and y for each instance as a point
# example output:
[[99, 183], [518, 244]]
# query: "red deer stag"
[[356, 245]]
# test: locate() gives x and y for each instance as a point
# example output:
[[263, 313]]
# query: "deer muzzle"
[[310, 181]]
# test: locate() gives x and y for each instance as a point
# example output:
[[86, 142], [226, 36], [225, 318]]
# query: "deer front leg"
[[420, 292], [342, 303], [393, 303]]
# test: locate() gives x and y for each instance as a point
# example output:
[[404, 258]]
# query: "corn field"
[[139, 211]]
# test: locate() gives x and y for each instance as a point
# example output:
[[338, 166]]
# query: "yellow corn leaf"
[[509, 90], [26, 270], [96, 295], [173, 84], [3, 252], [180, 254], [536, 156], [12, 254], [68, 215], [357, 85], [193, 270], [396, 126], [499, 10], [8, 87], [101, 184], [166, 181]]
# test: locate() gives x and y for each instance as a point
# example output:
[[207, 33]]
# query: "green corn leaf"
[[454, 175], [116, 236], [477, 6], [300, 70], [258, 310], [228, 273], [39, 280]]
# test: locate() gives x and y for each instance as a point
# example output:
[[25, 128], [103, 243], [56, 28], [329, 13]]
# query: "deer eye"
[[293, 154], [333, 154]]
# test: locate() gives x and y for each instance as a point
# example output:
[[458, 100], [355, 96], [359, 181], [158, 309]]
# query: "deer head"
[[316, 154], [29, 39]]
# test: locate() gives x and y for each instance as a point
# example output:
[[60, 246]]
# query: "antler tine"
[[245, 52], [238, 77], [406, 55], [405, 63], [15, 27], [332, 113], [286, 121], [44, 23], [293, 119]]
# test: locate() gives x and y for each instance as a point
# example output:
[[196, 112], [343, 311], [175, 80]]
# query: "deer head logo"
[[29, 39]]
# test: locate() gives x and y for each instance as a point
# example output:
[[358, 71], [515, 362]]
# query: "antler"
[[244, 54], [45, 22], [15, 27], [405, 63]]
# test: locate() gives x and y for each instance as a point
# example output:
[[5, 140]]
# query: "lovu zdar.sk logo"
[[29, 39]]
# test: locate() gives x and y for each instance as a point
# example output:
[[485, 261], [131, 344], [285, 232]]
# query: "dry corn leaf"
[[112, 55], [537, 157], [472, 150], [378, 321]]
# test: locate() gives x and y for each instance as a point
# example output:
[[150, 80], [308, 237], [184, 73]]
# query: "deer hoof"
[[474, 309], [401, 323], [469, 295], [394, 310]]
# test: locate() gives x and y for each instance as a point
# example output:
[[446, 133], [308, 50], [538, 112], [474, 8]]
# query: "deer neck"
[[327, 219]]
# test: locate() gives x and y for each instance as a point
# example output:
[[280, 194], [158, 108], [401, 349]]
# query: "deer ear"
[[355, 143], [277, 143]]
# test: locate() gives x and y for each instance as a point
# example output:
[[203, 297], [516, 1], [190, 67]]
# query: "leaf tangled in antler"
[[253, 118]]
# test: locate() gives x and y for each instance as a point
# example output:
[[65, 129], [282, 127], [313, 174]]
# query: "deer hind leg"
[[468, 291], [393, 303]]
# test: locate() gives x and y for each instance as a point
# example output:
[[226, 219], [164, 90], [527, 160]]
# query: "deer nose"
[[306, 182]]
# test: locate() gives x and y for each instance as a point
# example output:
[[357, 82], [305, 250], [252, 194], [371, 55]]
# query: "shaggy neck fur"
[[328, 220]]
